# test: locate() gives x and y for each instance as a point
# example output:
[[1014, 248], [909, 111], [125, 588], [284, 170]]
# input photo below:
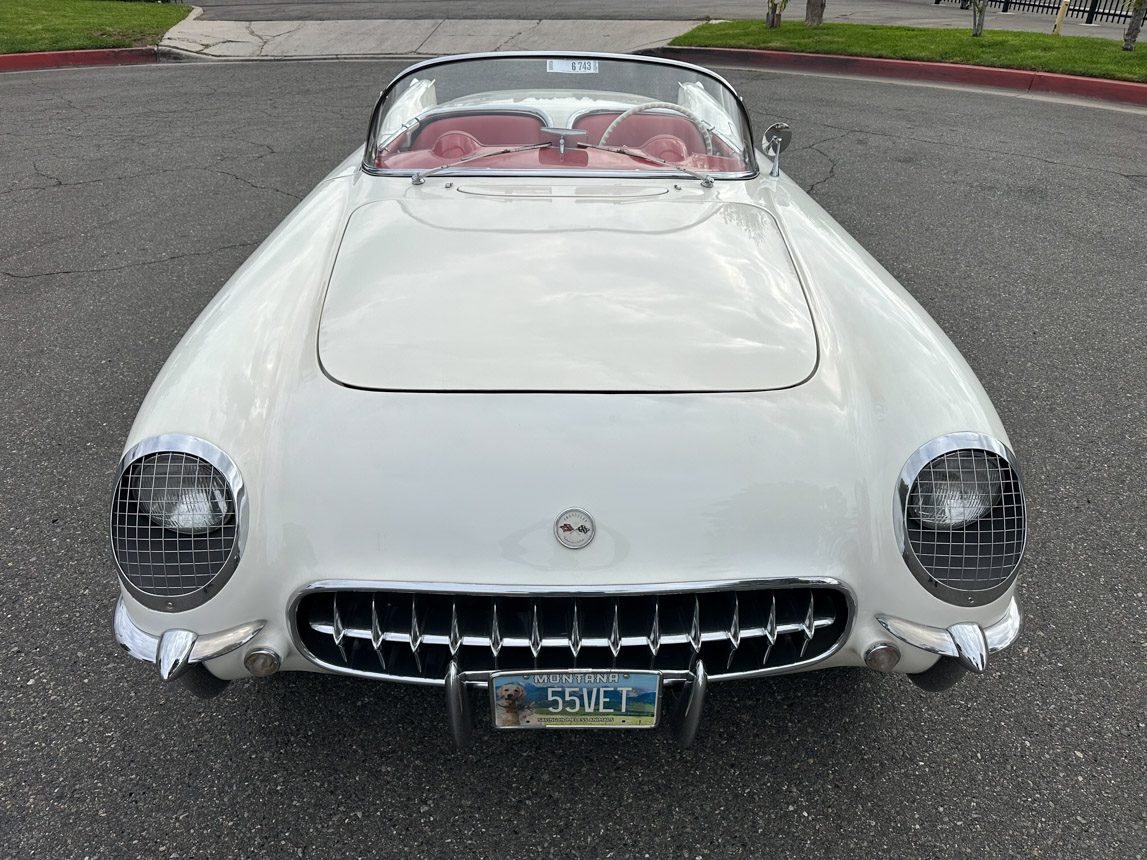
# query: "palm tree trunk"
[[814, 13]]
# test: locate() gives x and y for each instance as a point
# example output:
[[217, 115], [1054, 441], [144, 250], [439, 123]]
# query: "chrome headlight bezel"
[[911, 471], [237, 519]]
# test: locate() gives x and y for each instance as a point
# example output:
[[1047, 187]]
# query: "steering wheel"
[[648, 106]]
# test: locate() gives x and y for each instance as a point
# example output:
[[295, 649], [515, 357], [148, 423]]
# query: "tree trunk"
[[979, 13], [814, 13], [1134, 24], [773, 17]]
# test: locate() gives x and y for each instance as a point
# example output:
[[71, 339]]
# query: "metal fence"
[[1092, 11]]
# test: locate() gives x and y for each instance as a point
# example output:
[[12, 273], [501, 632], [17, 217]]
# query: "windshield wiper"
[[419, 178], [706, 179]]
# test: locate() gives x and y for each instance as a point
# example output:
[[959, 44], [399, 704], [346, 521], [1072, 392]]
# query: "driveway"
[[131, 194]]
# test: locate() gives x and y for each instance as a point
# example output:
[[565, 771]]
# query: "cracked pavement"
[[129, 195]]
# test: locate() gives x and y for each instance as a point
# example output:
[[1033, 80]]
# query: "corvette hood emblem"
[[574, 528]]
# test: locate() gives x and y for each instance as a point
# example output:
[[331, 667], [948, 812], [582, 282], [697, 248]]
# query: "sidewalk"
[[300, 38], [264, 40]]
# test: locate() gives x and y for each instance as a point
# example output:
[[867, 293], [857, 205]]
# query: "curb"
[[953, 73], [70, 59]]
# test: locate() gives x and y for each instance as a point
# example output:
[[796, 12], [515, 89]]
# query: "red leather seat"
[[641, 127], [455, 144], [492, 129]]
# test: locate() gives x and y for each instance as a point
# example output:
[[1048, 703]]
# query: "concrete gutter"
[[984, 76]]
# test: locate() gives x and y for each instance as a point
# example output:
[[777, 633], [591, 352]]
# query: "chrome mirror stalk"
[[777, 138]]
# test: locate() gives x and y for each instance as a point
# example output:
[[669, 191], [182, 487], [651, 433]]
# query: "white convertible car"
[[563, 392]]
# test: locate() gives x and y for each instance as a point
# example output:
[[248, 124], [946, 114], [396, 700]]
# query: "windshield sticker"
[[572, 67]]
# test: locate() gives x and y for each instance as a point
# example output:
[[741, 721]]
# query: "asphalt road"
[[129, 196]]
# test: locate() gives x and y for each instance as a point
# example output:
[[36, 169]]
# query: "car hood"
[[573, 294]]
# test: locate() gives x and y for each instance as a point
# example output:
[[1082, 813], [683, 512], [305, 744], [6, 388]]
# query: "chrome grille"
[[166, 562], [984, 554], [411, 635]]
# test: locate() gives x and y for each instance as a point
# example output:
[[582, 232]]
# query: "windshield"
[[556, 113]]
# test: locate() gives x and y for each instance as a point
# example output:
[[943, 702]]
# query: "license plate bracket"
[[576, 699]]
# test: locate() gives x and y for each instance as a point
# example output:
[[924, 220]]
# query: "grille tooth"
[[655, 631], [455, 636], [535, 633], [770, 630], [695, 630], [338, 632], [376, 635], [734, 632], [415, 632], [809, 627], [575, 633], [742, 630], [615, 634], [495, 634]]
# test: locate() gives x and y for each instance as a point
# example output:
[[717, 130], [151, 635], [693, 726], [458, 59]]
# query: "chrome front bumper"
[[969, 643], [175, 650]]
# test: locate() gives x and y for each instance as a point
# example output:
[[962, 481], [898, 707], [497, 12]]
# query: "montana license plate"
[[576, 699]]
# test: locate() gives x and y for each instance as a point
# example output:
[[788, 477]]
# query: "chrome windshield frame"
[[368, 167]]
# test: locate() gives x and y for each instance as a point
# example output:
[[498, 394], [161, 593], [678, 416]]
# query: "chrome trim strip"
[[1006, 631], [371, 137], [909, 472], [482, 678], [146, 646], [201, 448], [958, 640]]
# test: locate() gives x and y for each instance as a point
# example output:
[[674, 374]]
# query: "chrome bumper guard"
[[967, 642], [177, 649]]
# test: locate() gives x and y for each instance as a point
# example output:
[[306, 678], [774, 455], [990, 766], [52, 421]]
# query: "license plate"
[[572, 67], [576, 699]]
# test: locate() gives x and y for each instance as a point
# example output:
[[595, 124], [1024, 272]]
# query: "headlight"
[[183, 493], [177, 521], [961, 518], [954, 490]]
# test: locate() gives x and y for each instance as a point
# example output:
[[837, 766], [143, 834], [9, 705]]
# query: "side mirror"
[[777, 138]]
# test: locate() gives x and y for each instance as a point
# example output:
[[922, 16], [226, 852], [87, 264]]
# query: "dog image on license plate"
[[580, 699]]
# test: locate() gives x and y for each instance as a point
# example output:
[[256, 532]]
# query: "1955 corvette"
[[561, 391]]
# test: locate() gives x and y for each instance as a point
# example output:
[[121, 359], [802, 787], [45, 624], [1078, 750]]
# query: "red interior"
[[639, 128], [496, 129], [664, 136]]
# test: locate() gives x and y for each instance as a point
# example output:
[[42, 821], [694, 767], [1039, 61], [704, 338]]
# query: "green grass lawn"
[[58, 25], [1043, 52]]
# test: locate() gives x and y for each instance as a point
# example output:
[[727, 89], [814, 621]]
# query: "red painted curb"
[[953, 73], [68, 59]]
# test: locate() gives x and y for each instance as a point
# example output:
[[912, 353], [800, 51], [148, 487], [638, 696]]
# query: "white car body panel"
[[666, 295]]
